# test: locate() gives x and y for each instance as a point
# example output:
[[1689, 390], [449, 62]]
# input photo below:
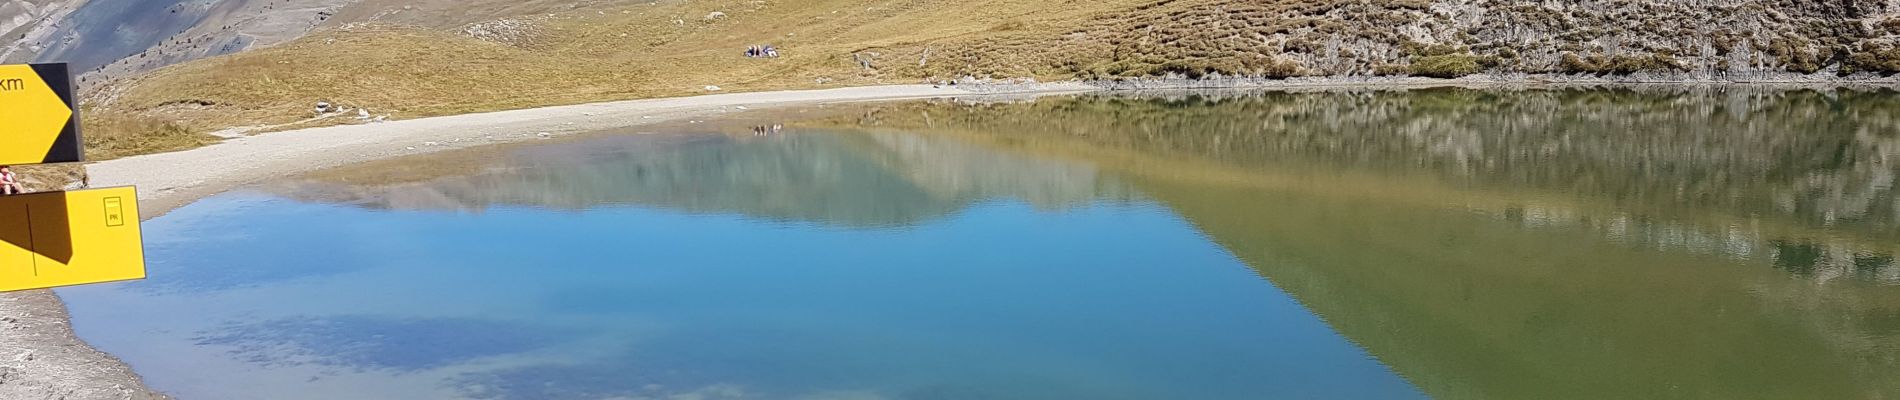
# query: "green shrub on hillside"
[[1794, 54], [1884, 60], [1618, 65], [1446, 66]]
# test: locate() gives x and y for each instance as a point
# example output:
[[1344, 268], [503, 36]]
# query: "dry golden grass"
[[49, 177], [408, 72], [112, 134], [577, 57]]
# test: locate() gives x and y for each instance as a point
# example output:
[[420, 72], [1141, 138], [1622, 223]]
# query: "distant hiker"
[[9, 184]]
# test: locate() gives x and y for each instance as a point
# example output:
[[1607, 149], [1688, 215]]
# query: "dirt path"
[[41, 358]]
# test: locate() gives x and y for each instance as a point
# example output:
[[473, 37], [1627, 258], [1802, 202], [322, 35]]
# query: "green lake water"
[[1715, 243]]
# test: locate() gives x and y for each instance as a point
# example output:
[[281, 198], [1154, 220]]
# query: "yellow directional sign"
[[70, 238], [39, 117]]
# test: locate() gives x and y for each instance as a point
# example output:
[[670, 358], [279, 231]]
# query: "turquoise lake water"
[[821, 294], [1454, 244]]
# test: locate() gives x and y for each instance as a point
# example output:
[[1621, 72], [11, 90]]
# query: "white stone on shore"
[[711, 88]]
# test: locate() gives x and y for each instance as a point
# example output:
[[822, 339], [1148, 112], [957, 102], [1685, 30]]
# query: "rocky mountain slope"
[[1692, 39], [132, 36], [122, 38], [26, 24]]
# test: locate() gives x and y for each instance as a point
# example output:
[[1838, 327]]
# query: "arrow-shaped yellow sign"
[[39, 117]]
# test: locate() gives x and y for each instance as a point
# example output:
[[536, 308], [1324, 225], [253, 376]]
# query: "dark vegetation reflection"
[[1660, 168], [1667, 243]]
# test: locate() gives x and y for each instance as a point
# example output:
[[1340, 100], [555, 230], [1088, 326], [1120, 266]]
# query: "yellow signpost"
[[66, 238], [69, 238], [39, 117]]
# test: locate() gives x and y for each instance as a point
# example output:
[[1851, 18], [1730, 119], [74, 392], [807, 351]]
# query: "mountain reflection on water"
[[876, 180], [1530, 244], [1803, 177], [1664, 243]]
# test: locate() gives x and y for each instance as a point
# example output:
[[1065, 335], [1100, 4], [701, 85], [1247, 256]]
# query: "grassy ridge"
[[637, 51], [613, 51]]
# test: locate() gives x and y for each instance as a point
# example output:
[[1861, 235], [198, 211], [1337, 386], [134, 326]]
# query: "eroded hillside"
[[1448, 38], [26, 26]]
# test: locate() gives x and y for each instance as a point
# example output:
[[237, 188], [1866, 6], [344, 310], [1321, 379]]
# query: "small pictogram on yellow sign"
[[115, 213]]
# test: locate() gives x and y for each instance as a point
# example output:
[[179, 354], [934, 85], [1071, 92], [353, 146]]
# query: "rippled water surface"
[[1680, 243]]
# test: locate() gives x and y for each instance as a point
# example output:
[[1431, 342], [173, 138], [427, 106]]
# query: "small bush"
[[1446, 66], [1794, 54], [1625, 65], [1429, 50], [1391, 70], [1890, 25], [1619, 65], [1884, 60]]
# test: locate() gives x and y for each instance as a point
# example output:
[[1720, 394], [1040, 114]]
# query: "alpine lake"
[[1603, 243]]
